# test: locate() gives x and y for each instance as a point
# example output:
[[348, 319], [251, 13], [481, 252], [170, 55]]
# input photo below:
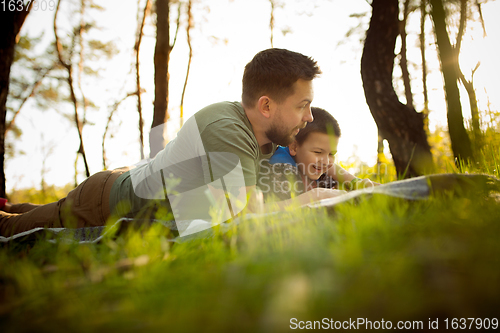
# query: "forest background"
[[104, 61]]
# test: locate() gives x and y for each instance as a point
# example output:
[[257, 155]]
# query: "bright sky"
[[227, 34]]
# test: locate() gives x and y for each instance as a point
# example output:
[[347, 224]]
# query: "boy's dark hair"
[[323, 122], [273, 72]]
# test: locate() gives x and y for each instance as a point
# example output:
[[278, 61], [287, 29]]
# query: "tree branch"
[[480, 11], [188, 29], [178, 24], [111, 113], [35, 85], [137, 48], [461, 27]]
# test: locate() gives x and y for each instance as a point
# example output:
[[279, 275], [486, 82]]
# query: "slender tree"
[[11, 22], [399, 124], [423, 15], [188, 38], [469, 84], [448, 56], [137, 48], [75, 51], [403, 58], [474, 109], [81, 29], [67, 65], [161, 59]]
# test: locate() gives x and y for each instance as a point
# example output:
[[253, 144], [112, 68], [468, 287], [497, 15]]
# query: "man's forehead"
[[305, 89]]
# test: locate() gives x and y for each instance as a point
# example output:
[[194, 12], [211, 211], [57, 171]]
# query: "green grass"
[[378, 259]]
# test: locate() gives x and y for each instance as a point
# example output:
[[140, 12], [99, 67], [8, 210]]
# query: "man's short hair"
[[273, 73], [323, 122]]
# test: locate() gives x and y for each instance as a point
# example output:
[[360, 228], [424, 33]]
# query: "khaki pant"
[[85, 206]]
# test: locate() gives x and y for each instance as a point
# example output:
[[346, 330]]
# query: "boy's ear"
[[293, 148], [264, 106]]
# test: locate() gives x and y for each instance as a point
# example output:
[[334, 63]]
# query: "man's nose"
[[308, 115]]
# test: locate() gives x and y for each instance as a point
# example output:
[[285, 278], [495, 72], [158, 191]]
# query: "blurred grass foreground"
[[378, 259]]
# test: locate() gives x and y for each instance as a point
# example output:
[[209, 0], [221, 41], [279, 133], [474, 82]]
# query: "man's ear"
[[264, 106], [293, 148]]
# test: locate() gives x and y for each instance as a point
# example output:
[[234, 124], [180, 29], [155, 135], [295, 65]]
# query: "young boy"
[[310, 160]]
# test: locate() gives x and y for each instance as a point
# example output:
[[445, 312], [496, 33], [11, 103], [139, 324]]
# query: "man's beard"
[[280, 136]]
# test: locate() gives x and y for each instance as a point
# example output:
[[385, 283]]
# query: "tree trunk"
[[81, 30], [161, 58], [399, 124], [425, 111], [474, 111], [137, 48], [404, 59], [188, 39], [460, 142], [469, 85], [10, 25]]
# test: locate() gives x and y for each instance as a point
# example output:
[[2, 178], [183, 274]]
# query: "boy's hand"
[[317, 194], [367, 183]]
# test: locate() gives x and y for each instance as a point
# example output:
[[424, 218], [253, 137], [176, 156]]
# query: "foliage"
[[30, 71], [49, 194], [28, 78], [491, 159], [439, 141], [37, 74], [381, 172], [488, 158]]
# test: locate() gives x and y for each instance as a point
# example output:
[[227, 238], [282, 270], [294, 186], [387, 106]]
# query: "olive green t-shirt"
[[207, 148]]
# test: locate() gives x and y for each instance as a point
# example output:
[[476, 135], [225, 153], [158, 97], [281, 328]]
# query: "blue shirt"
[[282, 155]]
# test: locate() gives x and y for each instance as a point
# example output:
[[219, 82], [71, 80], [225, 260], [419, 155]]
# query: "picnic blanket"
[[419, 188]]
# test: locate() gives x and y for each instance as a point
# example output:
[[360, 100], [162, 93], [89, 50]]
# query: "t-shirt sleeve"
[[227, 144]]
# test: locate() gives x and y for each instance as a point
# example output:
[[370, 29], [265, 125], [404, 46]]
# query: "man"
[[213, 161]]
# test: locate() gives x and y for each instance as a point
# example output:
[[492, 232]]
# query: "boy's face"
[[316, 154]]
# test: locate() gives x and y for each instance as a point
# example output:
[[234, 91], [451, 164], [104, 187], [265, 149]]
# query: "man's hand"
[[316, 194]]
